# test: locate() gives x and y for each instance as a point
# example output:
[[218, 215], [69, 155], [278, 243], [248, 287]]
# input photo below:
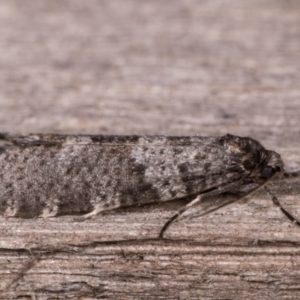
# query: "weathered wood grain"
[[149, 67]]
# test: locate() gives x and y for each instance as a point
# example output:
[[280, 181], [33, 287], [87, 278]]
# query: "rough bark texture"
[[155, 67]]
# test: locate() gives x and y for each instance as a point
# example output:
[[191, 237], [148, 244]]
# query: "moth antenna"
[[278, 204], [217, 192]]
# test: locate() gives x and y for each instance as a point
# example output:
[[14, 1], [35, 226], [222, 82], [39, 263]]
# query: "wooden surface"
[[155, 67]]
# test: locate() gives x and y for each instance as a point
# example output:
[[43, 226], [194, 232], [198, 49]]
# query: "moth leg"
[[218, 191], [97, 209], [215, 192], [278, 204], [291, 174], [94, 212], [180, 212]]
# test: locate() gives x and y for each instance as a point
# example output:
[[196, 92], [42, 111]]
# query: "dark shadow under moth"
[[45, 175]]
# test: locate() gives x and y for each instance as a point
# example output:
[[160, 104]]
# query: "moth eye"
[[267, 172]]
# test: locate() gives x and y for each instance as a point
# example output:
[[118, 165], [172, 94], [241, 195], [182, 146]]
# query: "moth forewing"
[[52, 175]]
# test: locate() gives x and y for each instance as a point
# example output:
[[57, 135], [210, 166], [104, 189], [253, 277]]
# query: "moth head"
[[258, 163], [271, 164]]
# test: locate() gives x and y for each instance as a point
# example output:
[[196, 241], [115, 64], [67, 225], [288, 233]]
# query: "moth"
[[47, 175]]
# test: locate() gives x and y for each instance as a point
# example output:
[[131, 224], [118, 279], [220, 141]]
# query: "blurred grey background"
[[151, 67]]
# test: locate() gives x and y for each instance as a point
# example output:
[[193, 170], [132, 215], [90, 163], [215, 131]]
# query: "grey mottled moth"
[[51, 175]]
